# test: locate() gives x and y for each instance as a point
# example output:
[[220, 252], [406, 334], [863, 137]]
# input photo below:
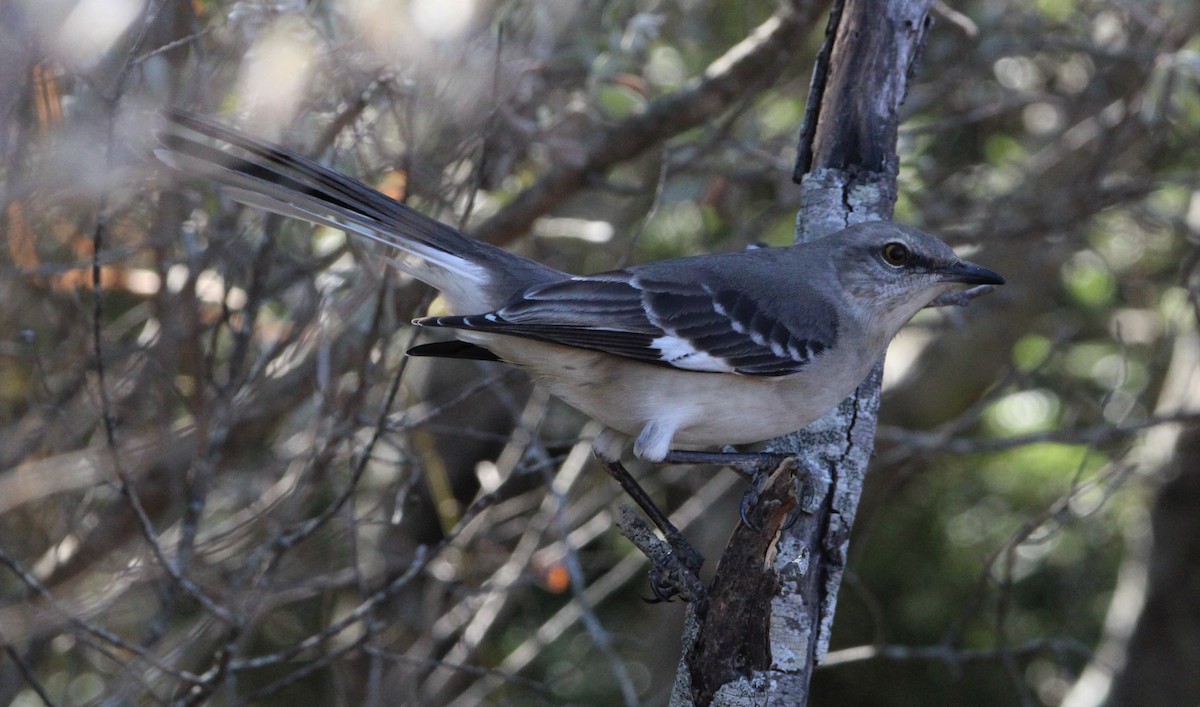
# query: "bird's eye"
[[896, 254]]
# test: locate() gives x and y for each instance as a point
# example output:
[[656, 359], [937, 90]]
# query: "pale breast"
[[702, 409]]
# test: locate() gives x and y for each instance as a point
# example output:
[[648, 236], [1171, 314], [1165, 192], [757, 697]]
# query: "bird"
[[691, 353]]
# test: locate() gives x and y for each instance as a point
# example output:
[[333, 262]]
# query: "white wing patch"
[[680, 353]]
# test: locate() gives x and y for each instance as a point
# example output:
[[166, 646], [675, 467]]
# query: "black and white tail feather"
[[472, 275], [648, 314]]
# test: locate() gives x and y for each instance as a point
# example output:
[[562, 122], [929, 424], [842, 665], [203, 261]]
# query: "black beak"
[[970, 274]]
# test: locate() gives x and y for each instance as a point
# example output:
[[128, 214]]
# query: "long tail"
[[474, 276]]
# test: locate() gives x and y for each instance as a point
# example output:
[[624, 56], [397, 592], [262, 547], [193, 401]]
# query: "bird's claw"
[[676, 574], [749, 501], [674, 563], [661, 585]]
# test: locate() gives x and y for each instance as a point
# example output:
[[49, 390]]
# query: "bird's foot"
[[758, 482], [809, 486], [677, 564], [674, 563], [756, 467]]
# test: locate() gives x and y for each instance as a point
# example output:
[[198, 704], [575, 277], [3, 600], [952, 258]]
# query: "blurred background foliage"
[[220, 480]]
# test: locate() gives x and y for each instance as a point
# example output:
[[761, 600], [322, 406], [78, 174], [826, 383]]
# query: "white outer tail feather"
[[460, 280]]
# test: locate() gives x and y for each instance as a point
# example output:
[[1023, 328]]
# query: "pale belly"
[[689, 409]]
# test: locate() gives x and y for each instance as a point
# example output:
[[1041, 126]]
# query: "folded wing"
[[695, 325]]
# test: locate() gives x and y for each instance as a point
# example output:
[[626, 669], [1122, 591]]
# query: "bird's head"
[[889, 271]]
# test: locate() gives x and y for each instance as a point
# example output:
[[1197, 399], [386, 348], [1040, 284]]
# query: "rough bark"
[[765, 622]]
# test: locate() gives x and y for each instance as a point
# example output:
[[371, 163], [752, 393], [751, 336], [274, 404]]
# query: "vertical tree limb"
[[766, 621]]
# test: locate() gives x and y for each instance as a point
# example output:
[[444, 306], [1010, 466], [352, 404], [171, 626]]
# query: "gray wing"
[[698, 324]]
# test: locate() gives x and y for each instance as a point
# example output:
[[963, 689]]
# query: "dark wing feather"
[[693, 324], [453, 349]]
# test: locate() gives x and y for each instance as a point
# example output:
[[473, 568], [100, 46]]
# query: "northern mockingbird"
[[692, 352]]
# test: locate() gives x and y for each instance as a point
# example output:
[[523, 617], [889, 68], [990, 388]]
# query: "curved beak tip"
[[971, 274]]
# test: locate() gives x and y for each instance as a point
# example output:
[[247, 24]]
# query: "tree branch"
[[775, 592], [742, 70]]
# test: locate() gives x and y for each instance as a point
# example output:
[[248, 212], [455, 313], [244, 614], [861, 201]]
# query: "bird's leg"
[[756, 467], [682, 549], [738, 461]]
